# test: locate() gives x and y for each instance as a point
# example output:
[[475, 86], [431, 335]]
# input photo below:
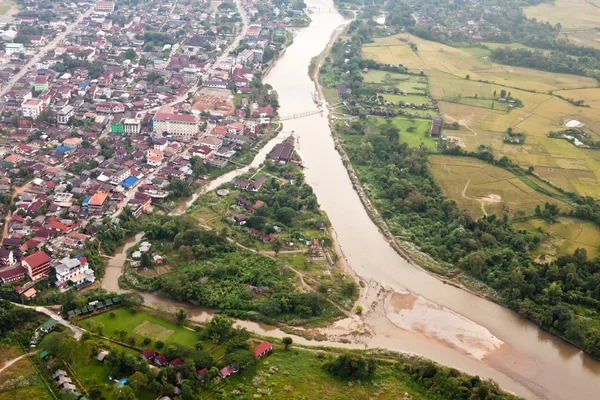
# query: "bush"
[[159, 344], [147, 341]]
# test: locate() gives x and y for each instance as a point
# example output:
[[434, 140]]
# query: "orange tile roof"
[[98, 198]]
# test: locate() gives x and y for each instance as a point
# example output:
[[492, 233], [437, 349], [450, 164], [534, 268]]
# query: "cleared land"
[[484, 120], [565, 236], [483, 189], [404, 82]]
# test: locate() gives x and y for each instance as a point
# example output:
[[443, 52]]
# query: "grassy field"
[[299, 374], [565, 236], [418, 137], [404, 82], [22, 369], [482, 189], [143, 325]]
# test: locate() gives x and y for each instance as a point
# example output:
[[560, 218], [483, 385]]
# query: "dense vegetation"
[[220, 276], [17, 324]]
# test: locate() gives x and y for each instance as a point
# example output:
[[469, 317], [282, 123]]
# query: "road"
[[77, 331], [42, 51]]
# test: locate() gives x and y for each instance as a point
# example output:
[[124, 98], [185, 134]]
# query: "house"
[[227, 371], [436, 126], [11, 48], [202, 374], [132, 126], [104, 7], [102, 355], [36, 264], [6, 257], [342, 89], [147, 354], [176, 363], [263, 349], [76, 270], [160, 360], [255, 187], [48, 326], [64, 114], [211, 142]]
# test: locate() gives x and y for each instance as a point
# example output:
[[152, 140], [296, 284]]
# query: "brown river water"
[[406, 309]]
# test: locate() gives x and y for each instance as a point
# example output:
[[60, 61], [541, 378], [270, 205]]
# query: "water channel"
[[422, 315]]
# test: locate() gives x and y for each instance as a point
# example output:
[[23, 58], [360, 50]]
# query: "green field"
[[403, 82], [565, 236], [33, 388], [143, 325], [481, 188], [418, 137]]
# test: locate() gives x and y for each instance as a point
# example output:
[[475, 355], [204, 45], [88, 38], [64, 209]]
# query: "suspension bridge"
[[300, 115], [318, 9]]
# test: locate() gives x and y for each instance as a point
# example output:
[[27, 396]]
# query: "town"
[[108, 105]]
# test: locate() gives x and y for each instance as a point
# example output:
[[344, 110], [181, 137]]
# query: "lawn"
[[142, 324]]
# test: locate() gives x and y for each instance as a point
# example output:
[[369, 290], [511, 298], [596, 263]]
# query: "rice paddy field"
[[483, 189], [562, 163], [577, 17], [563, 237]]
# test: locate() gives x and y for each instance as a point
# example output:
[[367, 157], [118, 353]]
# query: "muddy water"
[[445, 323], [114, 266]]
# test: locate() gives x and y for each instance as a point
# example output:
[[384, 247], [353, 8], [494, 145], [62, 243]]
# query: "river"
[[418, 313]]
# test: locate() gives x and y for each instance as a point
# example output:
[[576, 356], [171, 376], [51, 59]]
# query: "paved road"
[[42, 51]]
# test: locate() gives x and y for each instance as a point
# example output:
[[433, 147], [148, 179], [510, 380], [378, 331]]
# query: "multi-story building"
[[76, 270], [97, 203], [64, 114], [104, 6], [40, 83], [36, 264], [132, 126], [32, 108], [154, 157], [174, 124]]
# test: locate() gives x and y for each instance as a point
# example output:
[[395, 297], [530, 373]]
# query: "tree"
[[218, 329], [95, 392], [159, 344], [285, 215], [359, 309], [180, 316], [138, 381], [241, 359], [125, 393], [112, 314], [468, 77], [147, 341], [276, 245], [287, 341], [352, 366], [146, 260], [132, 340]]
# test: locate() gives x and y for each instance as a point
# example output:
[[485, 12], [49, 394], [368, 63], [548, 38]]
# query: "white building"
[[132, 126], [64, 114], [174, 124], [76, 270], [12, 48], [32, 108], [119, 176]]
